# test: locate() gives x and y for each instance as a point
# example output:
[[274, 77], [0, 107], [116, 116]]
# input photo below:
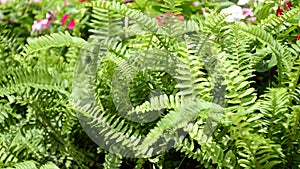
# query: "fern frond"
[[177, 118], [273, 22], [105, 24], [273, 107], [211, 24], [112, 161], [111, 128], [208, 154], [147, 109], [148, 23], [293, 137], [6, 157], [26, 165], [276, 48], [53, 40], [191, 80], [172, 6], [254, 150], [38, 78], [294, 73]]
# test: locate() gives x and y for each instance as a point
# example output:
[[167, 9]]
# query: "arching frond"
[[37, 78], [53, 40]]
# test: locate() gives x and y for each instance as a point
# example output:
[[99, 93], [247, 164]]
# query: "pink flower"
[[11, 20], [196, 3], [66, 3], [51, 15], [82, 0], [37, 1], [159, 20], [247, 12], [180, 17], [3, 1], [71, 24], [252, 19], [40, 25], [64, 19], [166, 16]]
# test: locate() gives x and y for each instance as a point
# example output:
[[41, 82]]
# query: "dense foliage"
[[173, 74]]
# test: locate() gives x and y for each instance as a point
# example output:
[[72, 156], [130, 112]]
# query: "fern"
[[273, 109], [33, 165], [252, 147], [141, 87], [276, 48], [105, 24], [37, 78], [292, 139], [273, 22], [112, 161], [53, 40]]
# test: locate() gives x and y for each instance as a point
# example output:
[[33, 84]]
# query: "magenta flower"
[[71, 24], [247, 12], [159, 20], [166, 16], [64, 19], [197, 3], [252, 19]]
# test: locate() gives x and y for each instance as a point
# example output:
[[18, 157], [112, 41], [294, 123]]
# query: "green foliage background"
[[259, 64]]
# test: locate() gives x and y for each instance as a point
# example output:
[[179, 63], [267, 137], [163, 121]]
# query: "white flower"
[[260, 1], [243, 2], [235, 13]]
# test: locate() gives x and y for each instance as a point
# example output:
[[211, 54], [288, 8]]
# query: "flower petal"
[[298, 37], [64, 19], [71, 24]]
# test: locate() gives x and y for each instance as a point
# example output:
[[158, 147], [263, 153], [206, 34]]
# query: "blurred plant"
[[260, 69]]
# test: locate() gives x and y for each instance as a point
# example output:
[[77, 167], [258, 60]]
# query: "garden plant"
[[146, 84]]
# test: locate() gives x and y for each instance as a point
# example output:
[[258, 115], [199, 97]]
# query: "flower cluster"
[[285, 5], [42, 24], [237, 13], [64, 20]]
